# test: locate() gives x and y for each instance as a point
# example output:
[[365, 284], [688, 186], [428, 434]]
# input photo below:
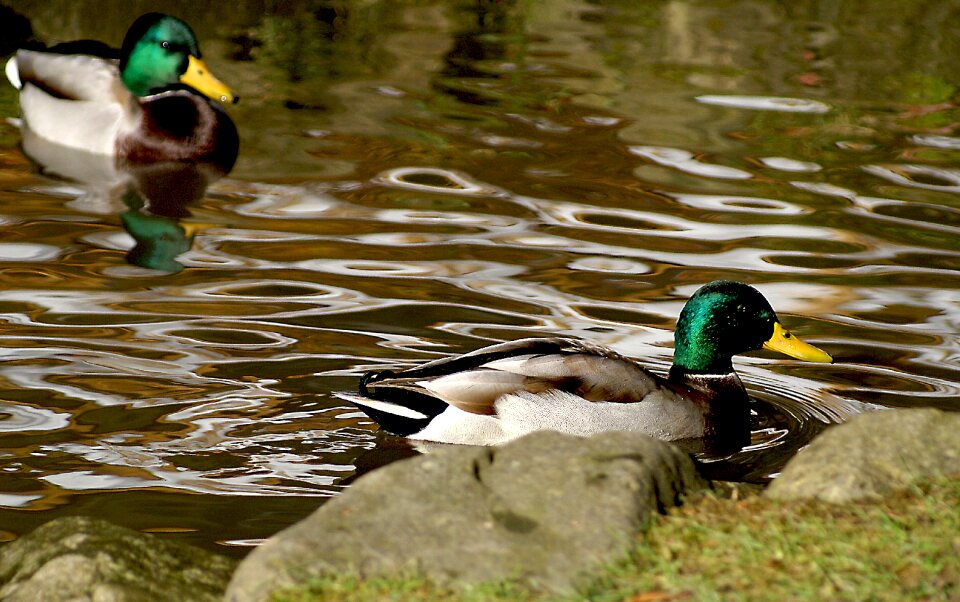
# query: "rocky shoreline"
[[546, 511]]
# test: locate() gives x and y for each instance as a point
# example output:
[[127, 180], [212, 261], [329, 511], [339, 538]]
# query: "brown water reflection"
[[424, 178]]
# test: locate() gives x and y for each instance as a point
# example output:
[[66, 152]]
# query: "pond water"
[[424, 178]]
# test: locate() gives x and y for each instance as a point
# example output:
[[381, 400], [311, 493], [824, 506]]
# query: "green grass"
[[904, 548]]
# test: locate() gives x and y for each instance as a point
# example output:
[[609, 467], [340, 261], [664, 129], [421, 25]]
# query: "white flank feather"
[[662, 415], [453, 425]]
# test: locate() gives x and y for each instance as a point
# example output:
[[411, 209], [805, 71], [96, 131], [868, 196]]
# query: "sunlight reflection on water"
[[766, 103]]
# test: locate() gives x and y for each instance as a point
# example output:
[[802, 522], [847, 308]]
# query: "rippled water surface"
[[418, 179]]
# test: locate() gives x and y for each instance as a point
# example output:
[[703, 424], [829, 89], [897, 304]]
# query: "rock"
[[84, 559], [871, 455], [543, 509]]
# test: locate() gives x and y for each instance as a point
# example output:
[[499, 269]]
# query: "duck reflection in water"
[[152, 199], [156, 201]]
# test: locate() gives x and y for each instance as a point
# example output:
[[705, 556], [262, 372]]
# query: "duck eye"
[[165, 44]]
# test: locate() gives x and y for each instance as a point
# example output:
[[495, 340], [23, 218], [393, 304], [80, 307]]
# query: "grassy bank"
[[722, 548]]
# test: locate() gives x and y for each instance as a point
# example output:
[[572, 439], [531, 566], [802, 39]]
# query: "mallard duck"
[[501, 392], [147, 102]]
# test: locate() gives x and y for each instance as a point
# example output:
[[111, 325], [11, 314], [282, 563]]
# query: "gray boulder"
[[871, 455], [82, 559], [544, 509]]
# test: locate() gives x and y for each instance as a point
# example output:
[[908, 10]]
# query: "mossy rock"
[[84, 559], [545, 510], [872, 455]]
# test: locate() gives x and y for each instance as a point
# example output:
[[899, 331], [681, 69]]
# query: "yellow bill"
[[199, 78], [191, 229], [786, 343]]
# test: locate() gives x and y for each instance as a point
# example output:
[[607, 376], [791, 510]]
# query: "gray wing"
[[475, 381]]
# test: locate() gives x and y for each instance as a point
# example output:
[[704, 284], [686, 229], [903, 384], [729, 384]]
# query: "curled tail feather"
[[13, 73]]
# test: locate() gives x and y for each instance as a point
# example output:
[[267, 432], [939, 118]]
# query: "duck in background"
[[149, 101], [501, 392]]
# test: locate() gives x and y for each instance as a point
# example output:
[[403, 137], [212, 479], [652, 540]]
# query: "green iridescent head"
[[160, 52], [725, 318]]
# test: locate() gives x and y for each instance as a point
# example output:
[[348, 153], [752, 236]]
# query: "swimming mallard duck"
[[147, 102], [500, 392]]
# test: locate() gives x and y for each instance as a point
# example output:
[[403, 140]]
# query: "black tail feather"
[[383, 385], [394, 424]]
